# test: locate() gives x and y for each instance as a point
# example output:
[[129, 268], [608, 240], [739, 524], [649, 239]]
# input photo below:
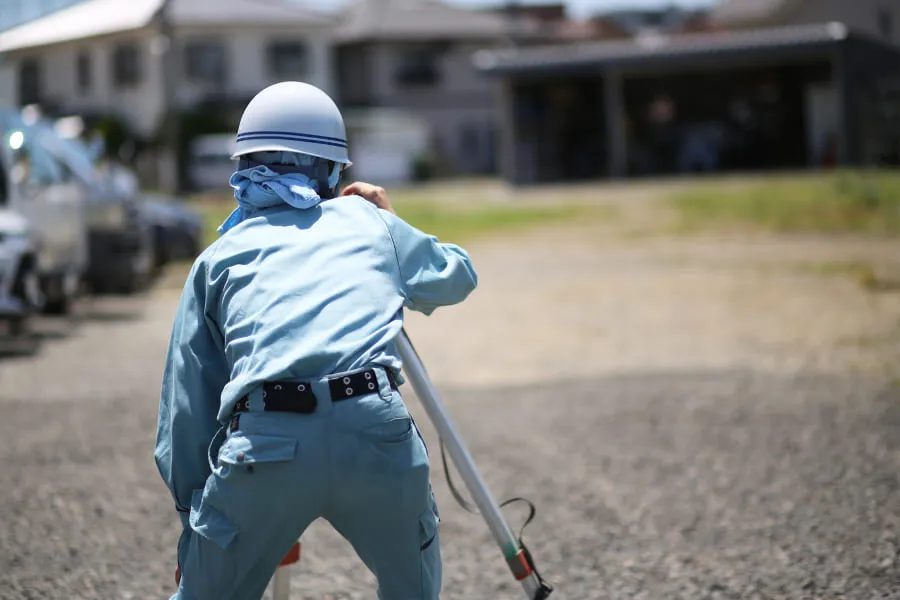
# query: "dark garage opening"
[[742, 120], [559, 128]]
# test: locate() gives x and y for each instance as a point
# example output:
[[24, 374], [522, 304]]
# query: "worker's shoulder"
[[351, 205], [206, 257], [355, 208]]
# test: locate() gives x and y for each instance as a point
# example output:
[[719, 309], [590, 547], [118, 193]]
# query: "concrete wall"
[[8, 86]]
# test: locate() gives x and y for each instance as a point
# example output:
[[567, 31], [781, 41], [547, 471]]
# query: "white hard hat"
[[293, 117]]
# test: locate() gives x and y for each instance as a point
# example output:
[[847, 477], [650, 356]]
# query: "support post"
[[616, 150], [507, 158]]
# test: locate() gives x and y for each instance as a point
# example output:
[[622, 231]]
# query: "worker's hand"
[[177, 576], [374, 194]]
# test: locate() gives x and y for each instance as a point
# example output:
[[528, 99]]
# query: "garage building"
[[787, 97]]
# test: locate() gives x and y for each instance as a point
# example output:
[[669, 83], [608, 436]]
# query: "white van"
[[39, 186]]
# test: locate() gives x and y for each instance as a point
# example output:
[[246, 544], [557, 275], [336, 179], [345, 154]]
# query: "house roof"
[[251, 12], [746, 11], [83, 20], [92, 18], [756, 43], [368, 20]]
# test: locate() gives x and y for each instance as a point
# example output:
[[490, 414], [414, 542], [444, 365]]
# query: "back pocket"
[[245, 451]]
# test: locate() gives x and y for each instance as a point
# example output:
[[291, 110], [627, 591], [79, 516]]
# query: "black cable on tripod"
[[546, 588]]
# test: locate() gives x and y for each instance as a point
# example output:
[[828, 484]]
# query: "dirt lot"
[[694, 417]]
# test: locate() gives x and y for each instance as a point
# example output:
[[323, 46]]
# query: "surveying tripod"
[[519, 560]]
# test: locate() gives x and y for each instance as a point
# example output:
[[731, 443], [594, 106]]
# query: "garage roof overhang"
[[666, 52]]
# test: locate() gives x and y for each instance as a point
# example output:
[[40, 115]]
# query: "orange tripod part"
[[520, 566], [292, 557]]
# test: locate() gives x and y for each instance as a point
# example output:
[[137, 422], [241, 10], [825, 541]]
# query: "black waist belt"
[[298, 396]]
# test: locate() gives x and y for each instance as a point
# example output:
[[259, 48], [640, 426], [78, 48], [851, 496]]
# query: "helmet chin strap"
[[334, 180]]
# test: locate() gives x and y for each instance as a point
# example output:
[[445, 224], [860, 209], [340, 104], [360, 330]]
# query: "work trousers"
[[360, 463]]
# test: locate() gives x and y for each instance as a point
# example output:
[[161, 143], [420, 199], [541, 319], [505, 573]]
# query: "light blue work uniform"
[[301, 294]]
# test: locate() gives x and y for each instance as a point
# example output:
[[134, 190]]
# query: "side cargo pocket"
[[210, 565], [206, 521]]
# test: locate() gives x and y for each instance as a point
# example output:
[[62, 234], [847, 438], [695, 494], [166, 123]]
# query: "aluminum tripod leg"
[[281, 584], [515, 556], [281, 581]]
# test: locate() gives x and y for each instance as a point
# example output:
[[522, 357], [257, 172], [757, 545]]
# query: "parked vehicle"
[[121, 245], [20, 295], [35, 183], [177, 231]]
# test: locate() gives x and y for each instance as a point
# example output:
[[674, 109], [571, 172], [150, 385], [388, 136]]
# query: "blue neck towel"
[[260, 187]]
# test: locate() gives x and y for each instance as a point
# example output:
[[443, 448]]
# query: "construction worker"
[[279, 401]]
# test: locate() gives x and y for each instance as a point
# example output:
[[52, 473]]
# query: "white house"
[[415, 57], [142, 59]]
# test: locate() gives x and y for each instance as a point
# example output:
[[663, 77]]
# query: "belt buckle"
[[345, 387]]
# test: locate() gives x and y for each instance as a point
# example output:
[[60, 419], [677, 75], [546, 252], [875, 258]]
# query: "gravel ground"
[[693, 419]]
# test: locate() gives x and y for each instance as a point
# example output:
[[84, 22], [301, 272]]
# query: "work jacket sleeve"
[[432, 273], [195, 374]]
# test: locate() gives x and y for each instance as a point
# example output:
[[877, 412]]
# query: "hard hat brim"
[[274, 147]]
